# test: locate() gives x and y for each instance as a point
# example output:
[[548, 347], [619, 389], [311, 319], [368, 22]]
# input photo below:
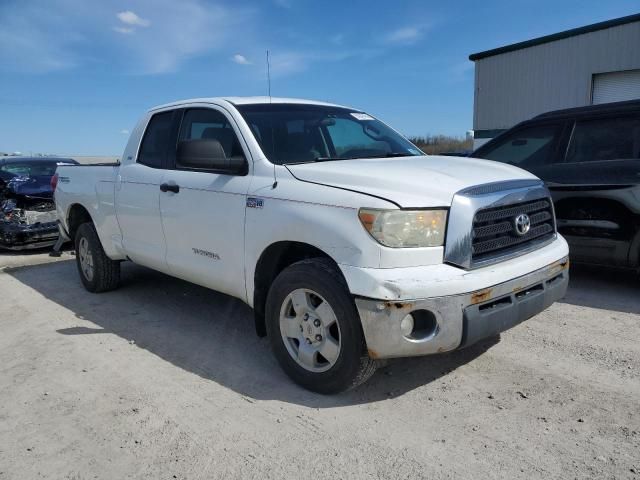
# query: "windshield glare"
[[290, 133], [30, 169]]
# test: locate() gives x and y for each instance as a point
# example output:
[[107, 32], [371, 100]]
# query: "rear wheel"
[[314, 328], [97, 271]]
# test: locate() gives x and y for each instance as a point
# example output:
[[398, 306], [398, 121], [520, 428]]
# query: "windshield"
[[295, 133], [31, 169]]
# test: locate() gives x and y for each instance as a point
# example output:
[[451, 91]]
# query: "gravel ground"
[[162, 379]]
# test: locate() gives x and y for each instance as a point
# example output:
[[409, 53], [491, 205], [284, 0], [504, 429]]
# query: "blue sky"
[[76, 74]]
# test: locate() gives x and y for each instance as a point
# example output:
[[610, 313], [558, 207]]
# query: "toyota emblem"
[[522, 224]]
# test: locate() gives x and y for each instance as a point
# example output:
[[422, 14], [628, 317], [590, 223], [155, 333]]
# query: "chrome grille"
[[494, 229]]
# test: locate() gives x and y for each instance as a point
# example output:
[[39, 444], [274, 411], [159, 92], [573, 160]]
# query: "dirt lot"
[[162, 379]]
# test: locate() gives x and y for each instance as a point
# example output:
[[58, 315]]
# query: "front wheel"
[[314, 328]]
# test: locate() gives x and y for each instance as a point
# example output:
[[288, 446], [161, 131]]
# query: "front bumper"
[[16, 236], [462, 319]]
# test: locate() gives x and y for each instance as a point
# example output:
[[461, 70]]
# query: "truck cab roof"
[[247, 101]]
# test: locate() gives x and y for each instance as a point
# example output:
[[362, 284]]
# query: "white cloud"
[[66, 34], [404, 36], [130, 21], [30, 39], [240, 59], [285, 63], [148, 37], [124, 131], [166, 46], [132, 18], [124, 30]]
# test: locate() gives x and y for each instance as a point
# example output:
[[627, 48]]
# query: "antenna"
[[275, 181], [268, 77]]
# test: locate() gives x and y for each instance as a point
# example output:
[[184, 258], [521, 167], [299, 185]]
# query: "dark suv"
[[589, 158]]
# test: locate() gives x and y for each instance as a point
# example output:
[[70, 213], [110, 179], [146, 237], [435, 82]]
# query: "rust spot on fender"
[[372, 353], [398, 305], [481, 296], [559, 265]]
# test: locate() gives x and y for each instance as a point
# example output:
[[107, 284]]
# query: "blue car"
[[27, 210]]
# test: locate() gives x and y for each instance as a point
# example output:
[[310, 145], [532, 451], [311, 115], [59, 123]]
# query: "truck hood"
[[409, 182]]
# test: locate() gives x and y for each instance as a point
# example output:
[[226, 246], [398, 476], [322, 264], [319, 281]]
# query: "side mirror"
[[208, 154]]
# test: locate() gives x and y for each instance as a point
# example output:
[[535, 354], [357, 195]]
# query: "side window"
[[526, 148], [605, 139], [155, 143], [205, 123]]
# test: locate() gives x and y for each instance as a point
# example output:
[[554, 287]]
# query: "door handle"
[[167, 187]]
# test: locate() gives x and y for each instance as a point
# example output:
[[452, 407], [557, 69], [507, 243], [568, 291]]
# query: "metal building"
[[597, 63]]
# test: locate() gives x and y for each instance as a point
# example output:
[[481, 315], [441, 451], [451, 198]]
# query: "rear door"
[[603, 151], [596, 187], [138, 193], [203, 215]]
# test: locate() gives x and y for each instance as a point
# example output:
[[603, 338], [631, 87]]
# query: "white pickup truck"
[[349, 243]]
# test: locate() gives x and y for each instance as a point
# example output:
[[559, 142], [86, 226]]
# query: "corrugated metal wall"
[[515, 86]]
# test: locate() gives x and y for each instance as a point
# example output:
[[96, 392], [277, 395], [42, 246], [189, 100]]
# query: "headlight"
[[405, 228]]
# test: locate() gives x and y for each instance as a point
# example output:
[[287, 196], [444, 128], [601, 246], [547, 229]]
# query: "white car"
[[349, 243]]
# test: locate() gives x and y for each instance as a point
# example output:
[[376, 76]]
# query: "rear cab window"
[[156, 142]]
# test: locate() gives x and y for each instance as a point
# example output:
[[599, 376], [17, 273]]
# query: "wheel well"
[[594, 209], [275, 259], [77, 216]]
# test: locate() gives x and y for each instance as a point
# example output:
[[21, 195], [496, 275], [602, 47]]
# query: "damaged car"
[[589, 158], [27, 210]]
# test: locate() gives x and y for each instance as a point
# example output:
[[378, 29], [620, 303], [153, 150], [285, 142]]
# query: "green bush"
[[435, 144]]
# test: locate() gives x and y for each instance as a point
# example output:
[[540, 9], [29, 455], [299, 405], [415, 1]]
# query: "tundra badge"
[[204, 253]]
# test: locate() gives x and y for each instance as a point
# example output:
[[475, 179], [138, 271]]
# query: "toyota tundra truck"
[[349, 243]]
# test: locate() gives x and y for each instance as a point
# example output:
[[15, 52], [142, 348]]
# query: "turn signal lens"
[[54, 182]]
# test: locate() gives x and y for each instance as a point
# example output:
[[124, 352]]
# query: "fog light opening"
[[419, 325], [406, 325]]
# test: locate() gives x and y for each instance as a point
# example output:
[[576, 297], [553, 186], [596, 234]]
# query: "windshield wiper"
[[318, 159], [393, 154], [332, 159], [385, 155]]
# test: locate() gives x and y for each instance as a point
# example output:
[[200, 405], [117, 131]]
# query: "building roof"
[[556, 36]]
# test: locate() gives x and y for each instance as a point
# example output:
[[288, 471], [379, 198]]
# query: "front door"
[[203, 211]]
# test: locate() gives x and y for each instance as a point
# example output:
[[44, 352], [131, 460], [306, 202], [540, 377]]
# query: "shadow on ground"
[[27, 252], [212, 335], [608, 289]]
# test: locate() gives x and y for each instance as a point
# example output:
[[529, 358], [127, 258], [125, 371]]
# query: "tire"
[[104, 274], [300, 343]]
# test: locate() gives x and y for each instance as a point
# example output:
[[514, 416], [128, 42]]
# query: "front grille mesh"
[[494, 231]]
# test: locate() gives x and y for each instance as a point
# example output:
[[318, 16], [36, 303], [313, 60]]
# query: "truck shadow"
[[603, 288], [212, 335]]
